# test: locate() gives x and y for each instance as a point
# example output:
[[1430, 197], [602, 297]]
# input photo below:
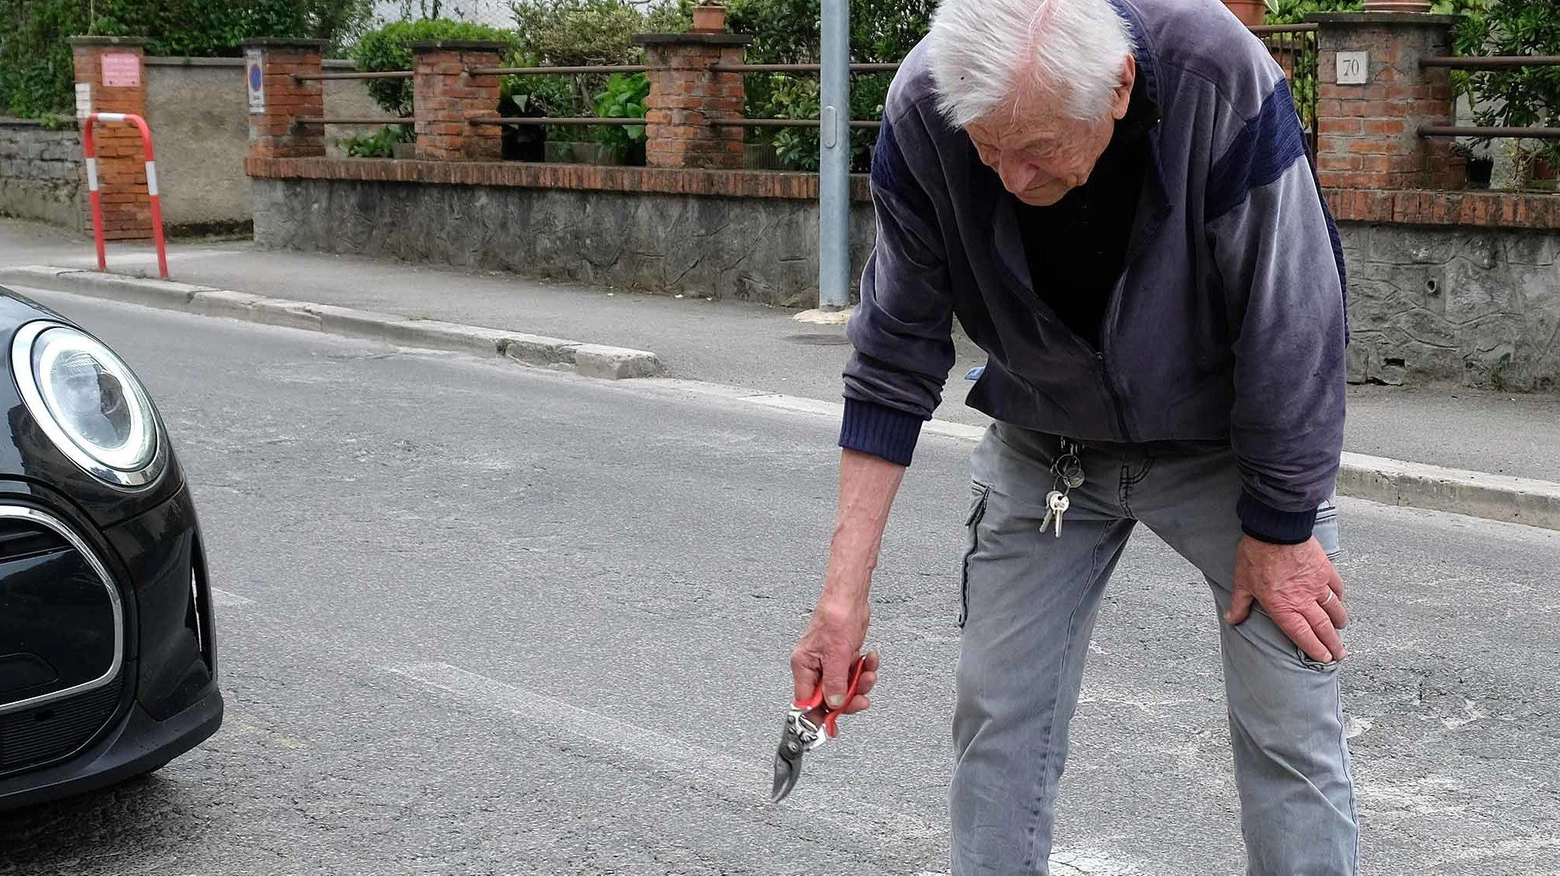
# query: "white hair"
[[985, 53]]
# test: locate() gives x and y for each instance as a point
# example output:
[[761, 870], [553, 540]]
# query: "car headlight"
[[88, 403]]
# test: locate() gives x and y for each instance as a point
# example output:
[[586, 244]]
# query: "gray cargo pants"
[[1028, 608]]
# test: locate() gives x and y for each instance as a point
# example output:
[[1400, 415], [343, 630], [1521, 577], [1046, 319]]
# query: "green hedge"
[[388, 48], [35, 58]]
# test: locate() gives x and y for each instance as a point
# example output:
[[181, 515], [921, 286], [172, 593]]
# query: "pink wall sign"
[[121, 70]]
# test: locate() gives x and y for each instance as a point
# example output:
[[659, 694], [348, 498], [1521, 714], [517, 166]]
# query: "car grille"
[[22, 538], [34, 737], [65, 681]]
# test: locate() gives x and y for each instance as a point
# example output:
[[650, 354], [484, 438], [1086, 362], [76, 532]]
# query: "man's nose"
[[1017, 176]]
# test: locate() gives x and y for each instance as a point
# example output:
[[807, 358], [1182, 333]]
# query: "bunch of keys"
[[1068, 470]]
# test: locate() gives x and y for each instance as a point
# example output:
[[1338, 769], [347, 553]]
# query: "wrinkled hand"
[[1298, 587], [827, 651]]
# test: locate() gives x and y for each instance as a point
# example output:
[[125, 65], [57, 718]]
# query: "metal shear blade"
[[802, 733], [788, 766]]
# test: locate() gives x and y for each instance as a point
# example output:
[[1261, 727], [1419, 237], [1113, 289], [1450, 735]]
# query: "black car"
[[108, 668]]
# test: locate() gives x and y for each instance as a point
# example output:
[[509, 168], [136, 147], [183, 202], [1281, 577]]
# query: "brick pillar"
[[1368, 133], [282, 99], [445, 96], [686, 96], [110, 75]]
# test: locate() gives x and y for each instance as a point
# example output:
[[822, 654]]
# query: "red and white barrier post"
[[151, 186]]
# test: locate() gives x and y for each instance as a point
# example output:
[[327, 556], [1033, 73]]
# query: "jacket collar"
[[1005, 234]]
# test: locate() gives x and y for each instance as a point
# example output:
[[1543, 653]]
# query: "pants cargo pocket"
[[979, 494]]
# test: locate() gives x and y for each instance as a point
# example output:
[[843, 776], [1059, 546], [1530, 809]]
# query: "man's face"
[[1040, 151]]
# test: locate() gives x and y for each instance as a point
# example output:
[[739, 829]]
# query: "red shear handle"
[[831, 716]]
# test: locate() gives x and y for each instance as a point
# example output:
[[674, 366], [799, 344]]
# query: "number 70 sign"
[[1353, 68]]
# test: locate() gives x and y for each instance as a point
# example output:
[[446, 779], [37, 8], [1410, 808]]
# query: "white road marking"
[[789, 403], [887, 831], [642, 743], [226, 599]]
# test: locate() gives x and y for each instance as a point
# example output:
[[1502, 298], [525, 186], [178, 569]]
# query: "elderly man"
[[1113, 198]]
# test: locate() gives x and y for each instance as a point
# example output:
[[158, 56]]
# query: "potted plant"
[[1532, 166], [1250, 12]]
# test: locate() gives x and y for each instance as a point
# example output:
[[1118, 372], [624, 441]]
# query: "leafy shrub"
[[578, 32], [1295, 11], [1520, 96], [573, 33], [623, 98], [787, 31], [389, 48], [795, 98], [380, 144]]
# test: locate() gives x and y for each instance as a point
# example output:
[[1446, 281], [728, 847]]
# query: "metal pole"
[[834, 158]]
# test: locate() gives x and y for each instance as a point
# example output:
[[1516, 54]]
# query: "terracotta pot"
[[1250, 12], [1397, 5], [709, 18]]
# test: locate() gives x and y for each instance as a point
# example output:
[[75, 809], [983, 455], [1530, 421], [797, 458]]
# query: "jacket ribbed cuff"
[[887, 433], [1263, 522]]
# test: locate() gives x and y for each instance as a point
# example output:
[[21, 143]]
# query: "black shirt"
[[1077, 247]]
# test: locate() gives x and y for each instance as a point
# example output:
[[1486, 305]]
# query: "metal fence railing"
[[1490, 62], [1293, 46]]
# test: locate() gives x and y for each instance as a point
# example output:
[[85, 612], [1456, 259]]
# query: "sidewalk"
[[763, 348]]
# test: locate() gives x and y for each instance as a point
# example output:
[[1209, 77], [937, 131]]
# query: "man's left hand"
[[1298, 587]]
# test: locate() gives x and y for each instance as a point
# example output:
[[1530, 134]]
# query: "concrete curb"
[[589, 360], [1373, 478], [1377, 479], [1493, 497]]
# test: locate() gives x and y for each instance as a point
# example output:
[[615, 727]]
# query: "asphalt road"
[[736, 342], [482, 619]]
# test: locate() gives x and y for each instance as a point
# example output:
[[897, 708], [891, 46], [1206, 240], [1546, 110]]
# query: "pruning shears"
[[808, 725]]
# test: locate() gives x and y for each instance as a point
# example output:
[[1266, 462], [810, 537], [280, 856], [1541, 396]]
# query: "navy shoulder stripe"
[[888, 163], [1267, 146]]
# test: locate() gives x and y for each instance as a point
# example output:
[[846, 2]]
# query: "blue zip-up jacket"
[[1227, 323]]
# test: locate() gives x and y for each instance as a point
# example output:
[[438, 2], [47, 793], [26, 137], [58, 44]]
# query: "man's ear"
[[1122, 96]]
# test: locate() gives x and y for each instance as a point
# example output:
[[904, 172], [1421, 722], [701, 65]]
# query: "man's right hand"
[[839, 623], [827, 651]]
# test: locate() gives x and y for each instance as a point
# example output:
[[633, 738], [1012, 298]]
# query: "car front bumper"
[[137, 745], [165, 698]]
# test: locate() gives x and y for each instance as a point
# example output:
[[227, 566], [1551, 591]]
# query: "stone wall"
[[198, 111], [754, 249], [198, 114], [1476, 306], [1443, 286], [41, 174]]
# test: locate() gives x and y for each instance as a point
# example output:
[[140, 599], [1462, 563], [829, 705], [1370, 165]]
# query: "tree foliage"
[[1521, 96], [35, 57]]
